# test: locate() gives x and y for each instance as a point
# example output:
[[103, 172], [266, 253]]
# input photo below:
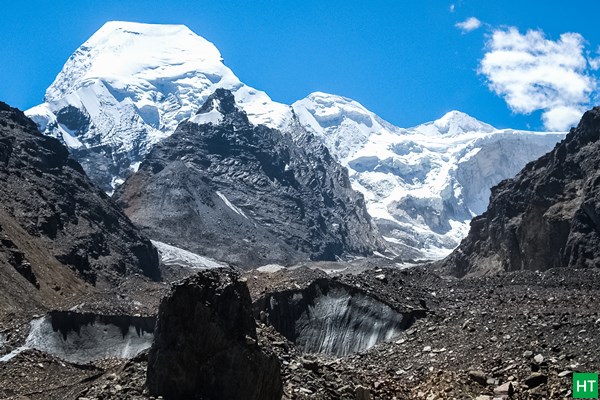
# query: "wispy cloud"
[[468, 25], [531, 72], [452, 8]]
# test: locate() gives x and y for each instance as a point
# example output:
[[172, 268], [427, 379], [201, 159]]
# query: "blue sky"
[[405, 60]]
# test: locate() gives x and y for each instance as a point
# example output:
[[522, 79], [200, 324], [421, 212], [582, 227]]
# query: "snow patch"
[[270, 268], [172, 255], [214, 116], [230, 205], [135, 166]]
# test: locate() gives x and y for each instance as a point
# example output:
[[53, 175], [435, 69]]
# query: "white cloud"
[[452, 8], [468, 25], [534, 73], [562, 117], [594, 60]]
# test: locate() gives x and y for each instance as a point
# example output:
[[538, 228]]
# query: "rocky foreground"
[[518, 335]]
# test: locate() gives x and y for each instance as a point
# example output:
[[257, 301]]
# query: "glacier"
[[130, 84], [422, 185]]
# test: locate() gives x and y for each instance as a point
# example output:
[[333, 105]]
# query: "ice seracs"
[[424, 184], [129, 86]]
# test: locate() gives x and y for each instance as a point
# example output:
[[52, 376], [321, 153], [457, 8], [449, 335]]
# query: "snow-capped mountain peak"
[[343, 124], [128, 87], [423, 184], [454, 123]]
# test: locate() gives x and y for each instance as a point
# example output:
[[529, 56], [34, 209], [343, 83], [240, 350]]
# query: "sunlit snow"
[[424, 184]]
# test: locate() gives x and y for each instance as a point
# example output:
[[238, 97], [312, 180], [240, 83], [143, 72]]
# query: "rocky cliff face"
[[547, 216], [249, 195], [205, 344], [52, 216]]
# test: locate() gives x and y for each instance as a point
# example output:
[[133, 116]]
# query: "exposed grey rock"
[[506, 389], [246, 194], [547, 216], [206, 345], [478, 376], [362, 393]]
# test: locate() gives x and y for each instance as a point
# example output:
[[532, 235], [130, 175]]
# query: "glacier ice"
[[422, 185], [84, 338], [332, 318]]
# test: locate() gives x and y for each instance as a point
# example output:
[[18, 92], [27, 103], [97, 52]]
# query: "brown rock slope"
[[547, 216], [59, 233]]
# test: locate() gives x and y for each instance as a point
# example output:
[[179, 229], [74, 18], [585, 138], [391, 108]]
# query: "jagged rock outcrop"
[[53, 217], [547, 216], [246, 194], [205, 344]]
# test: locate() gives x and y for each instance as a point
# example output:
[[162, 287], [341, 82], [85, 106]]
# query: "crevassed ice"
[[422, 185]]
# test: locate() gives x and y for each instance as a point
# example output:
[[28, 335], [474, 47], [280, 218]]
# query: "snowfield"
[[172, 255]]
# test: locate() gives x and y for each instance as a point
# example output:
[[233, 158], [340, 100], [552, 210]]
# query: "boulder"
[[205, 344]]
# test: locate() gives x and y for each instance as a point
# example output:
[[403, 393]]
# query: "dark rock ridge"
[[206, 346], [331, 317], [547, 216], [246, 194], [52, 216]]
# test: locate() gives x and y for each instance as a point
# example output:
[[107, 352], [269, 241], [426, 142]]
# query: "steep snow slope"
[[129, 86], [423, 185]]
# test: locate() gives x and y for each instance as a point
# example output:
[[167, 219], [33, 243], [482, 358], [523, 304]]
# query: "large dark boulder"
[[548, 216], [205, 344], [248, 195]]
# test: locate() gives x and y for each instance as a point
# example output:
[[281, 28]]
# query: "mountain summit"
[[455, 123], [128, 87]]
